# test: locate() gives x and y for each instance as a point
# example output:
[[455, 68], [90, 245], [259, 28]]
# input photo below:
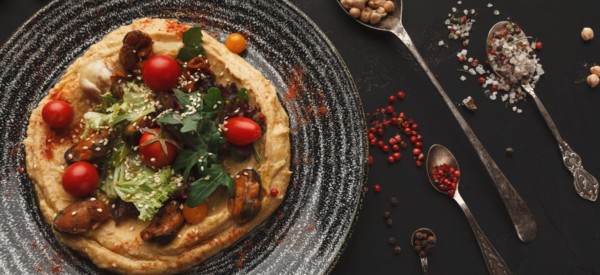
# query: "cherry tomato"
[[194, 215], [161, 72], [236, 43], [58, 114], [241, 130], [80, 179], [152, 151]]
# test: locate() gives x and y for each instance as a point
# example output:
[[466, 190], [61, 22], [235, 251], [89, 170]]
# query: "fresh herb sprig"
[[192, 44], [199, 133]]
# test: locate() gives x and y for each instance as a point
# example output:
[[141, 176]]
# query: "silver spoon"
[[439, 155], [519, 213], [586, 185], [423, 249]]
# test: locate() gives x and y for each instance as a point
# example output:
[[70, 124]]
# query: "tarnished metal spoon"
[[426, 248], [439, 155], [585, 184], [519, 212]]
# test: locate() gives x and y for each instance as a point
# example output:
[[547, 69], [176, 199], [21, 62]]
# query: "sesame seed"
[[92, 199], [99, 210], [73, 213]]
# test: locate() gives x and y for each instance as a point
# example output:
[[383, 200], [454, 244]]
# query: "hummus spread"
[[118, 247]]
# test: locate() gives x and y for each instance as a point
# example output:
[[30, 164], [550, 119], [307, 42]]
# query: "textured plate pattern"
[[305, 235]]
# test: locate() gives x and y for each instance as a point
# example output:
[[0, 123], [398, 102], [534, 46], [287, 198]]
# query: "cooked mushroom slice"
[[165, 224], [132, 132], [96, 146], [247, 201], [137, 46], [81, 217]]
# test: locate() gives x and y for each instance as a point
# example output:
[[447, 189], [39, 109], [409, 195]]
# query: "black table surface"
[[568, 240]]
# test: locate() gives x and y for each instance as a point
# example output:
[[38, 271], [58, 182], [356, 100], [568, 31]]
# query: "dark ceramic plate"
[[305, 235]]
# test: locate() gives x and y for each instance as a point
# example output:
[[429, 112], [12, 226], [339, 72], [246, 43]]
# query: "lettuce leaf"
[[134, 182]]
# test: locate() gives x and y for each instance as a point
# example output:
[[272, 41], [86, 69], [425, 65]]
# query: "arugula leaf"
[[204, 187], [192, 41], [184, 99], [187, 159], [169, 119], [190, 123]]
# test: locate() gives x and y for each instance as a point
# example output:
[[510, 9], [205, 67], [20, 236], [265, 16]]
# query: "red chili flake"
[[376, 188], [274, 192]]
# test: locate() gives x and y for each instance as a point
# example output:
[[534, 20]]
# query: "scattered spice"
[[423, 242], [387, 118], [389, 222], [587, 34], [387, 215], [459, 23], [397, 250], [392, 240], [445, 177], [469, 103], [394, 201], [376, 188]]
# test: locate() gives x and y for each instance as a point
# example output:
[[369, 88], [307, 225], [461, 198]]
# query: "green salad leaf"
[[192, 44], [132, 181], [202, 188], [200, 138]]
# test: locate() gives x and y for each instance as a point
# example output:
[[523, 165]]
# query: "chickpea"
[[389, 6], [381, 11], [360, 4], [366, 15], [346, 4], [595, 70], [374, 4], [375, 18], [593, 80], [587, 34], [354, 12]]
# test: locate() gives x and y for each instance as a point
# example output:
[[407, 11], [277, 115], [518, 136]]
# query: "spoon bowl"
[[387, 23], [428, 246], [586, 185], [439, 155], [436, 156]]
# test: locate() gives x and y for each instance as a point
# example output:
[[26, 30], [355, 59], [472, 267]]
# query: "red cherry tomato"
[[241, 130], [152, 150], [58, 114], [80, 179], [161, 72]]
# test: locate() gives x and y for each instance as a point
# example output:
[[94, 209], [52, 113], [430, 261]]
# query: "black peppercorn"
[[397, 250], [392, 240]]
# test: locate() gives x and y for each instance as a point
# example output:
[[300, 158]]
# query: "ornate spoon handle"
[[493, 261], [519, 213], [424, 266], [585, 184]]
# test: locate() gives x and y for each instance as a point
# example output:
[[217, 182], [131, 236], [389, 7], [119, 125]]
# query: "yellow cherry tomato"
[[196, 214], [236, 43]]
